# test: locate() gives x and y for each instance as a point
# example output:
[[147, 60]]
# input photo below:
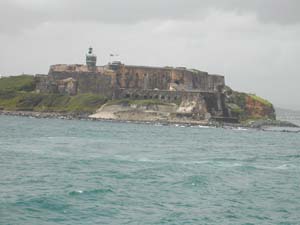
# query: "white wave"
[[283, 167], [147, 160], [240, 129], [206, 127]]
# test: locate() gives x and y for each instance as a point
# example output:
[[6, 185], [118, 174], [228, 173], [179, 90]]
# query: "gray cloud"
[[21, 14]]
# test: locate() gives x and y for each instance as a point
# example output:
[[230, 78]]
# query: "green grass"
[[261, 100], [85, 103], [27, 101], [235, 108], [17, 93], [237, 103], [17, 83]]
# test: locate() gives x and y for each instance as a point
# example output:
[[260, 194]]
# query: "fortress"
[[118, 81]]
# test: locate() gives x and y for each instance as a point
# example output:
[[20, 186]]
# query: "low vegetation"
[[17, 93], [17, 83], [239, 106], [261, 100]]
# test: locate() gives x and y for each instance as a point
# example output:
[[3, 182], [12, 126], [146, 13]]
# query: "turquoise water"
[[83, 172]]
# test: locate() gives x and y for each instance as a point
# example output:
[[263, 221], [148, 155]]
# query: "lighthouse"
[[91, 59]]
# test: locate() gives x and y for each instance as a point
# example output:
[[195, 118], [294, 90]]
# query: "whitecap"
[[201, 126], [240, 129], [145, 160], [283, 167]]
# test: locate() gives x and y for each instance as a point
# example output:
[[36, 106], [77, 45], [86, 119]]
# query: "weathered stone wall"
[[44, 84], [103, 81], [166, 96], [89, 79], [138, 82], [68, 86], [214, 102], [76, 68], [162, 79]]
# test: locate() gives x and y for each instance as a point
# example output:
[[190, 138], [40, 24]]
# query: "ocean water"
[[288, 115], [84, 172]]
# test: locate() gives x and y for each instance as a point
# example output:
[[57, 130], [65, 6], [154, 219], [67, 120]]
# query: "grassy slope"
[[261, 100], [236, 102], [17, 83], [17, 93]]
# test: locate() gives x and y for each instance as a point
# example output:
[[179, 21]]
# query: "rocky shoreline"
[[262, 125], [44, 115]]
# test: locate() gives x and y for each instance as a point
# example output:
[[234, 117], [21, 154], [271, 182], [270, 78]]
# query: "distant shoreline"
[[286, 126], [85, 116]]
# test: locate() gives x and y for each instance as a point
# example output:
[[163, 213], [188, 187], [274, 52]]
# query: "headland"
[[121, 92]]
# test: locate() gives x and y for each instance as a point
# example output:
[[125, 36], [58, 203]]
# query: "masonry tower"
[[91, 59]]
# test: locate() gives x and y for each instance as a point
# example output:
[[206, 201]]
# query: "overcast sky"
[[254, 43]]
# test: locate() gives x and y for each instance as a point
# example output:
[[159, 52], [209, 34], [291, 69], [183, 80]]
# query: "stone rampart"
[[105, 81], [162, 79], [214, 101], [166, 84]]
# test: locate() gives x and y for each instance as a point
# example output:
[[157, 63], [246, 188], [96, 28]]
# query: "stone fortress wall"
[[117, 81], [180, 79], [105, 80]]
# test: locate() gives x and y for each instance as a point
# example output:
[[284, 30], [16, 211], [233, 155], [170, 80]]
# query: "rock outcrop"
[[248, 106], [149, 111]]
